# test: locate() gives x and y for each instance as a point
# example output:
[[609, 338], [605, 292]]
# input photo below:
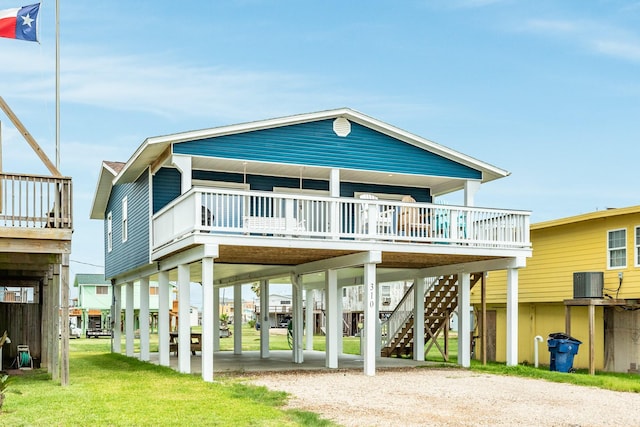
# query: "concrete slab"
[[282, 360]]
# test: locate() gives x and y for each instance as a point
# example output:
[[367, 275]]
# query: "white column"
[[163, 317], [216, 319], [116, 320], [464, 320], [208, 331], [334, 191], [418, 319], [264, 319], [183, 163], [370, 319], [144, 319], [237, 319], [310, 318], [297, 329], [340, 317], [512, 317], [331, 338], [470, 190], [184, 318], [129, 320]]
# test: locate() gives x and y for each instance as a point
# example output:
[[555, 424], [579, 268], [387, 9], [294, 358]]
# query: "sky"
[[547, 90]]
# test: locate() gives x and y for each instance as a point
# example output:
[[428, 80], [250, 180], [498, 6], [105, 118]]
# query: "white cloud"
[[595, 37]]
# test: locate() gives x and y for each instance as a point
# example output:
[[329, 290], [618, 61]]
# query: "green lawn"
[[114, 390], [111, 389]]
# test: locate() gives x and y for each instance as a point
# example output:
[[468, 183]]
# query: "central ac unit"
[[588, 284]]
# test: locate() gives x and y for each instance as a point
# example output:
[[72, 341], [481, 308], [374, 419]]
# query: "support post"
[[144, 319], [483, 297], [184, 321], [418, 316], [55, 315], [163, 317], [310, 318], [297, 328], [512, 317], [129, 320], [464, 320], [237, 319], [371, 320], [64, 297], [331, 290], [216, 319], [208, 330], [264, 319], [116, 320], [592, 349]]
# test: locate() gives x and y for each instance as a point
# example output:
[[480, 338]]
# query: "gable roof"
[[156, 147], [607, 213], [90, 279]]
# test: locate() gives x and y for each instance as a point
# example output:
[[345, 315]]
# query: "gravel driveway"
[[450, 397]]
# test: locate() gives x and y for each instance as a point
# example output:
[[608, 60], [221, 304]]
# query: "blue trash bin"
[[562, 348]]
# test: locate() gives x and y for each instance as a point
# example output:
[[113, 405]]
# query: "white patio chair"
[[384, 218]]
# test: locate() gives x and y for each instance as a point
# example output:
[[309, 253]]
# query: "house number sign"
[[372, 295]]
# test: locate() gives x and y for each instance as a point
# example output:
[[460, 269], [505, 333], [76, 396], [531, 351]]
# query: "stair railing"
[[401, 314]]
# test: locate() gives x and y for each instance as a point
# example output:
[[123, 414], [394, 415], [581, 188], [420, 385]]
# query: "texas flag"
[[20, 23]]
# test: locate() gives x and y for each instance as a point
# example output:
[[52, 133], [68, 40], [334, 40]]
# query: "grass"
[[112, 389]]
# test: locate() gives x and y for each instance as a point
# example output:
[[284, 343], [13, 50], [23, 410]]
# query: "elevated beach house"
[[321, 200], [36, 225]]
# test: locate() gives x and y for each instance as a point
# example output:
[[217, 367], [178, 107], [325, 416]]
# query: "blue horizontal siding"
[[315, 144], [133, 253]]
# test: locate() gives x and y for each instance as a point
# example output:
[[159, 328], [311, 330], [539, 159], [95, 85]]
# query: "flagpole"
[[57, 85]]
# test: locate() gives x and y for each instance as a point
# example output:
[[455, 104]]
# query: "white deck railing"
[[35, 201], [255, 213]]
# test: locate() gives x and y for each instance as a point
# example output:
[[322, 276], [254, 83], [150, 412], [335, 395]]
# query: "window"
[[153, 290], [285, 302], [125, 232], [102, 290], [386, 295], [637, 246], [109, 232], [617, 248]]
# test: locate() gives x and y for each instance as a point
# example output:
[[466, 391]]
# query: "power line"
[[86, 263]]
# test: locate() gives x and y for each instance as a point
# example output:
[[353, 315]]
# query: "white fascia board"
[[153, 146], [101, 194]]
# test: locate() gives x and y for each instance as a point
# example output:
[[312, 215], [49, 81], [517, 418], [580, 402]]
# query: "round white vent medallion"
[[341, 126]]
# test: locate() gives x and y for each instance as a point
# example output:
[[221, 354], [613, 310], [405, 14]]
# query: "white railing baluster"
[[267, 214]]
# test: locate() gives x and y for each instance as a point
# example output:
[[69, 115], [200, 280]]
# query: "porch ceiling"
[[323, 173], [269, 256]]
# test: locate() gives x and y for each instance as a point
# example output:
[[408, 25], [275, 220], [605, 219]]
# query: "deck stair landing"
[[440, 300]]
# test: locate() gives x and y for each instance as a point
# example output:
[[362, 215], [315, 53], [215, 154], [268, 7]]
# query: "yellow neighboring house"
[[606, 242]]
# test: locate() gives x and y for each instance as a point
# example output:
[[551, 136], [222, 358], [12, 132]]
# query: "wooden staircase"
[[440, 301]]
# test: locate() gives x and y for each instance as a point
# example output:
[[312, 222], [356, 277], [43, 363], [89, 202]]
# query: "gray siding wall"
[[133, 253]]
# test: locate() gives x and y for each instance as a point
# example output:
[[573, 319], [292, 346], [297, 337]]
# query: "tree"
[[255, 287]]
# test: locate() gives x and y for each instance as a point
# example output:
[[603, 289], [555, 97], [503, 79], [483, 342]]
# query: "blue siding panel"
[[166, 187], [133, 253], [316, 144]]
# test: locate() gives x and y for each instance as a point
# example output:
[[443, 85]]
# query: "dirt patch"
[[450, 397]]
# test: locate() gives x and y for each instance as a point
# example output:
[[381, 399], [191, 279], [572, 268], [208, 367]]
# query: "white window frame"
[[109, 232], [610, 249], [125, 220], [637, 245]]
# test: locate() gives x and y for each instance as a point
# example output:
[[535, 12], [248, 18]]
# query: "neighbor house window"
[[153, 290], [386, 294], [617, 248], [102, 290], [109, 232], [125, 232], [637, 246]]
